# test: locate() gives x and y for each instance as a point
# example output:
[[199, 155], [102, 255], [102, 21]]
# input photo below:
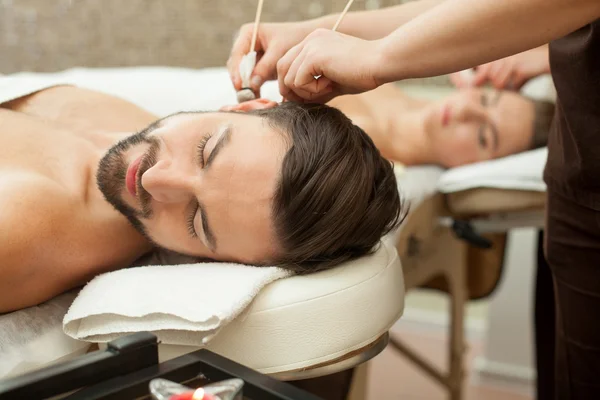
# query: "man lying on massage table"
[[297, 185], [59, 231]]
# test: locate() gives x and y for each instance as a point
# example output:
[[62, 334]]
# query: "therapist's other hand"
[[345, 64], [508, 73], [272, 42]]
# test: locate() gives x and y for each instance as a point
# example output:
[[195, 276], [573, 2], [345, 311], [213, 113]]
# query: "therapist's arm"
[[275, 39], [376, 24], [507, 73], [459, 34]]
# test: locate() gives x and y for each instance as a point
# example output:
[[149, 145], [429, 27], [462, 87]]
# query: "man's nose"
[[166, 184]]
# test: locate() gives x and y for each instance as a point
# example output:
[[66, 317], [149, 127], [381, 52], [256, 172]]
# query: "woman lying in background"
[[468, 126]]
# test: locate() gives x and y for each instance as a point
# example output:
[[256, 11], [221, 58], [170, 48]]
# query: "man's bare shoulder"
[[81, 108]]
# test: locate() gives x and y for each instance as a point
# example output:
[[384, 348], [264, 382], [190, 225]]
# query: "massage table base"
[[439, 253], [502, 222], [447, 258]]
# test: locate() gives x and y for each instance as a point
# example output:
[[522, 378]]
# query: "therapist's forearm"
[[376, 24], [460, 34]]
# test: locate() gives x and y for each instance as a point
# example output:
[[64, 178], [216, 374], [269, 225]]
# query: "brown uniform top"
[[573, 167]]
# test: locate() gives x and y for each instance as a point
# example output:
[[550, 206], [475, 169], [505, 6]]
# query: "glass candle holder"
[[230, 389]]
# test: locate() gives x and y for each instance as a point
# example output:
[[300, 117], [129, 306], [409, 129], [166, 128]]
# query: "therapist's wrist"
[[386, 67], [325, 22]]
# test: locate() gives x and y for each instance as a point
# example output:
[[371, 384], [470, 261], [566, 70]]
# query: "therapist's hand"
[[272, 42], [508, 73], [346, 65]]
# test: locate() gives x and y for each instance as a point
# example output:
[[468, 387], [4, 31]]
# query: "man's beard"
[[112, 172]]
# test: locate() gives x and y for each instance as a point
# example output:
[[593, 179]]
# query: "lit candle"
[[199, 394]]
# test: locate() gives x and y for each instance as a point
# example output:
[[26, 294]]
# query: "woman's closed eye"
[[481, 137]]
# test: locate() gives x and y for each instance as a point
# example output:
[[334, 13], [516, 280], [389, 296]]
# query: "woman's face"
[[474, 125]]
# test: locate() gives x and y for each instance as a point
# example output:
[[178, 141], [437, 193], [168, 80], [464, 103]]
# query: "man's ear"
[[257, 104]]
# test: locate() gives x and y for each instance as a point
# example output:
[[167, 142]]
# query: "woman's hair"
[[543, 115], [336, 196]]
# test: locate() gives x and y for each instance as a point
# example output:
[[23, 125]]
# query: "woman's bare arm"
[[460, 34], [376, 24]]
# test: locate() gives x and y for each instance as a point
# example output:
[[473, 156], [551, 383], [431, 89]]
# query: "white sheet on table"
[[33, 337], [160, 90]]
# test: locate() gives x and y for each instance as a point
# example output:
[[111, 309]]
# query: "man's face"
[[200, 184]]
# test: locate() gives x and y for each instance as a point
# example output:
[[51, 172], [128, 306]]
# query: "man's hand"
[[272, 42], [508, 73], [342, 63]]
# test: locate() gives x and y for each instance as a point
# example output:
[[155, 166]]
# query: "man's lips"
[[130, 178]]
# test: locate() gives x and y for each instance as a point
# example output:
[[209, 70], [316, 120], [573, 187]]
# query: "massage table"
[[305, 327]]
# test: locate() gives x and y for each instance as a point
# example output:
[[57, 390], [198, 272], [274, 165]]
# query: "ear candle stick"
[[249, 62], [342, 15], [339, 20]]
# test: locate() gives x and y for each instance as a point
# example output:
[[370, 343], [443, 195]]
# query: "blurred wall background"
[[52, 35]]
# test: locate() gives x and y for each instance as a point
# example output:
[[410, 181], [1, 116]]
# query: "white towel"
[[523, 171], [181, 304]]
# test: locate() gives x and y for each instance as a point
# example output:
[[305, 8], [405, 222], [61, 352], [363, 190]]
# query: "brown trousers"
[[572, 250]]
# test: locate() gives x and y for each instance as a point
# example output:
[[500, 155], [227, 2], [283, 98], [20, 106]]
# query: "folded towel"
[[523, 171], [181, 304]]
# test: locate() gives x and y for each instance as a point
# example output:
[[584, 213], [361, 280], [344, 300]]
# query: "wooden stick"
[[337, 23], [256, 19], [343, 14]]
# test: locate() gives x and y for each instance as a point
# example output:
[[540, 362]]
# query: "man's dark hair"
[[336, 196], [543, 114]]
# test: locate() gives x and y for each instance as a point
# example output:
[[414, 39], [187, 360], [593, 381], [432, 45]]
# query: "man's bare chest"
[[30, 147]]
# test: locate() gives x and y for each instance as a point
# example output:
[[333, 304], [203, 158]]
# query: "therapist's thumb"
[[265, 69]]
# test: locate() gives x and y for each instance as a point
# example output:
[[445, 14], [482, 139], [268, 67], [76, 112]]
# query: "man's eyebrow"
[[159, 123], [221, 142], [208, 233]]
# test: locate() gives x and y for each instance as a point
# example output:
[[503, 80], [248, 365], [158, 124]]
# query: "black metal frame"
[[125, 368]]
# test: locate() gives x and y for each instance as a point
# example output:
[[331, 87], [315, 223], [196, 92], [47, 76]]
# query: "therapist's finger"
[[496, 69], [290, 76], [326, 97], [308, 97], [291, 96], [240, 48], [518, 79], [322, 85], [265, 69], [306, 77], [457, 80], [481, 75], [306, 80], [306, 72], [283, 66], [503, 77]]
